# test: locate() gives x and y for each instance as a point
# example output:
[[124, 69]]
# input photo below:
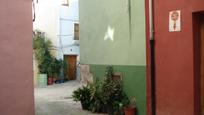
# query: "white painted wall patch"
[[109, 34]]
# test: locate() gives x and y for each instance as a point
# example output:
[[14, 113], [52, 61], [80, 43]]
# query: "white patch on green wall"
[[105, 36], [109, 34]]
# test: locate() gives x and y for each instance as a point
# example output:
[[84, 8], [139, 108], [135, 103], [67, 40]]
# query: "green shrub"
[[83, 95], [43, 56], [104, 96]]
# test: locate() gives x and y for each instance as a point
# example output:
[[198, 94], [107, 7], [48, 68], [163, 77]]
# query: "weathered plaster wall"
[[16, 84]]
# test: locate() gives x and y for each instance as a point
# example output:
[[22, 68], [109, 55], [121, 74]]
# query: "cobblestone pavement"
[[56, 100]]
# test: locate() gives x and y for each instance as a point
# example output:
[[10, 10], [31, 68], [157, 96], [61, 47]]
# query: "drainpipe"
[[152, 56], [33, 10]]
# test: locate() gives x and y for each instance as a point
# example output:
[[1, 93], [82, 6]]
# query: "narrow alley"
[[56, 100]]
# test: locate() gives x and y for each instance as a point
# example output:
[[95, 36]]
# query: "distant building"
[[60, 22]]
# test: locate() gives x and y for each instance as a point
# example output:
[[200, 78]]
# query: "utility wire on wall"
[[69, 35], [72, 20]]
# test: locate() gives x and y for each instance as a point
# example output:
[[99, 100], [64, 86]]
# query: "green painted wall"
[[127, 51], [134, 82], [128, 46]]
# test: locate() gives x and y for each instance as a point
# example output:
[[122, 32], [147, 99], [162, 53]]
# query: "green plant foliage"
[[46, 62], [98, 101], [43, 56], [83, 94], [112, 91], [104, 96]]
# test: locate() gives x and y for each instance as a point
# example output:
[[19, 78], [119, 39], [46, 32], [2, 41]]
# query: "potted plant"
[[55, 70], [83, 95], [113, 91], [103, 96], [51, 71], [42, 55], [107, 94], [98, 101], [130, 107]]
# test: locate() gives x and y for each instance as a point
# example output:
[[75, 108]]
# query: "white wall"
[[47, 17], [68, 16], [57, 22]]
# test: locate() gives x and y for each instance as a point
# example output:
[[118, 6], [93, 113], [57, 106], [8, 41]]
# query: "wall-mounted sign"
[[175, 21]]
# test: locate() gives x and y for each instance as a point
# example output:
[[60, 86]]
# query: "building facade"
[[113, 33], [59, 21], [16, 84], [178, 35]]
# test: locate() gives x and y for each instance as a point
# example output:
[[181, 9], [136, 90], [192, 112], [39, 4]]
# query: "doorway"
[[72, 66], [202, 63], [198, 23]]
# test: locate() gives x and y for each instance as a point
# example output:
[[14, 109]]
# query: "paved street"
[[56, 100]]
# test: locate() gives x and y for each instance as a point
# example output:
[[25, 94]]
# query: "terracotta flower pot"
[[50, 80], [129, 111]]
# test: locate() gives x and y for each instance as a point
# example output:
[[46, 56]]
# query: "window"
[[65, 2], [76, 31]]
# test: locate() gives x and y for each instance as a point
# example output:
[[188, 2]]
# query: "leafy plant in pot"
[[56, 69], [113, 91], [103, 96], [98, 101], [130, 107], [107, 94], [83, 95], [42, 55], [51, 71]]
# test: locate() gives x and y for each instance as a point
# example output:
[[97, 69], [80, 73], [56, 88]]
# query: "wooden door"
[[72, 61], [202, 65]]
